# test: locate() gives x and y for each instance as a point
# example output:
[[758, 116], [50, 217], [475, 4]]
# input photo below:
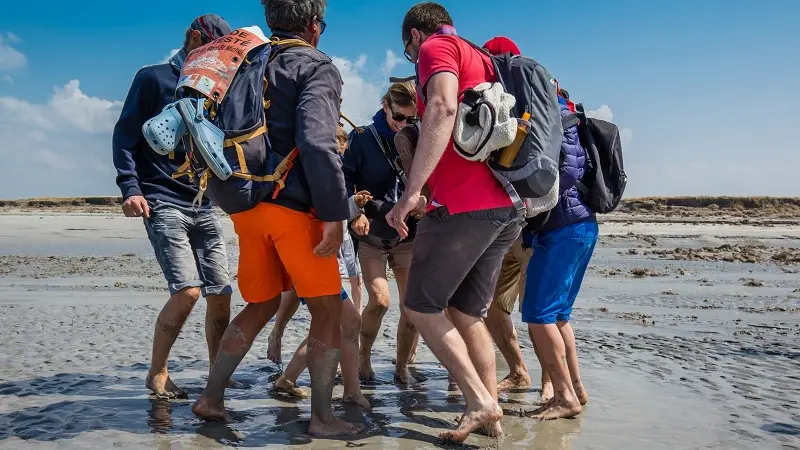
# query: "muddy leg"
[[547, 385], [287, 382], [168, 326], [371, 318], [289, 304], [572, 361], [551, 347], [351, 329], [504, 335]]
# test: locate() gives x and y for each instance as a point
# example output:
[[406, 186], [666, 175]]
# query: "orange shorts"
[[276, 251]]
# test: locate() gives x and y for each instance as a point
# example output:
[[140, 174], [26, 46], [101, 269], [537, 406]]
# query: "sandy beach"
[[688, 330]]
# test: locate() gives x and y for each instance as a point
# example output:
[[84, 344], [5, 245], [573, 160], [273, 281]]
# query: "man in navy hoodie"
[[188, 241]]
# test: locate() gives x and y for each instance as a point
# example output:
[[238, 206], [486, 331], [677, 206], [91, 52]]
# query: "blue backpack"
[[221, 110]]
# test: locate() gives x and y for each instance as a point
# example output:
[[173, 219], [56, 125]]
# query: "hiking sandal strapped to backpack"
[[222, 90]]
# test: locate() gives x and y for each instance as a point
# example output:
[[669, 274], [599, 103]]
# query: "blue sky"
[[703, 89]]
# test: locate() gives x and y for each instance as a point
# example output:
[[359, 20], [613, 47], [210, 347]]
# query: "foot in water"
[[333, 428], [547, 392], [581, 393], [514, 381], [557, 409], [485, 416], [287, 387], [211, 411], [366, 374], [274, 348], [357, 399], [404, 378], [163, 387]]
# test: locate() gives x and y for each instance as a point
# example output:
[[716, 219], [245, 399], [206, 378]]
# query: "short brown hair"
[[401, 94], [427, 17]]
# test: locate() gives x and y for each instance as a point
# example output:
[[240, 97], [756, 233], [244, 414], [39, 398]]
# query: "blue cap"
[[211, 26]]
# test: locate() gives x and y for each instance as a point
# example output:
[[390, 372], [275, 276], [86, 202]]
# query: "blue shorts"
[[189, 248], [345, 297], [556, 270]]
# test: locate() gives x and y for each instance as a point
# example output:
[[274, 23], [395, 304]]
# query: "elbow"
[[444, 107]]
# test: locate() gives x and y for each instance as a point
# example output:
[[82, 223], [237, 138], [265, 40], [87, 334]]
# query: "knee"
[[377, 306], [351, 329], [188, 295]]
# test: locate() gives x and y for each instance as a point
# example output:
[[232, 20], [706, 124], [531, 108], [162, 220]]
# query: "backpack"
[[605, 181], [532, 178], [230, 156]]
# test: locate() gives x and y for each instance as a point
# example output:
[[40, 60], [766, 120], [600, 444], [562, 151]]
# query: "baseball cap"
[[500, 45], [211, 26]]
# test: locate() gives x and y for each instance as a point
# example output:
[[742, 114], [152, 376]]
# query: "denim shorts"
[[456, 258], [346, 256], [556, 271], [189, 248]]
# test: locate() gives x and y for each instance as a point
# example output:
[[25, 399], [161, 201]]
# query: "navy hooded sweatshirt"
[[140, 170]]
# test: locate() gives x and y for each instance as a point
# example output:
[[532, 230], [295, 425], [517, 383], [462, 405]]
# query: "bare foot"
[[366, 374], [452, 386], [287, 387], [233, 384], [404, 378], [163, 387], [494, 430], [274, 348], [547, 392], [211, 411], [356, 399], [333, 428], [472, 420], [580, 392], [558, 409], [514, 381]]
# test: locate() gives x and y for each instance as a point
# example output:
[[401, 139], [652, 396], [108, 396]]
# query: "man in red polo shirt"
[[469, 226]]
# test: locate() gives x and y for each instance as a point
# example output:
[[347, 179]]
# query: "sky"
[[703, 91]]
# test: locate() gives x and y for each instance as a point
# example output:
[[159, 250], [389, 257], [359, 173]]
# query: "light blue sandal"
[[208, 138], [164, 131]]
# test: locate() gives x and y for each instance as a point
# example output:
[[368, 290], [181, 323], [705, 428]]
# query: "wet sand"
[[677, 350]]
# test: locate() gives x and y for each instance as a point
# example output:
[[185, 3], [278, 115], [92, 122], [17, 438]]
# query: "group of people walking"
[[348, 209]]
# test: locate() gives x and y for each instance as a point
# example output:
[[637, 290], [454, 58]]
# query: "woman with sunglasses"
[[371, 164]]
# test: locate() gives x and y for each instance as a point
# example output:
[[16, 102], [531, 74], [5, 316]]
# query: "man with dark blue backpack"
[[188, 242]]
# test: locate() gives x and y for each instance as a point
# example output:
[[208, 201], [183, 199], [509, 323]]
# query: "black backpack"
[[604, 183]]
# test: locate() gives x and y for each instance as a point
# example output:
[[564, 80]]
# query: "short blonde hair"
[[401, 94]]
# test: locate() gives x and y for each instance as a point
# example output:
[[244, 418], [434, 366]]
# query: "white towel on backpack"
[[471, 141]]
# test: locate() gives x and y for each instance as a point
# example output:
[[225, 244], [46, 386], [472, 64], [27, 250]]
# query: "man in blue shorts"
[[562, 249]]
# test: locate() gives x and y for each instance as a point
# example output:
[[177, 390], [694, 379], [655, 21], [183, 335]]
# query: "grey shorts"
[[456, 258], [346, 255], [189, 248]]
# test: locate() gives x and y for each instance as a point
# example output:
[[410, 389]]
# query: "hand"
[[362, 198], [396, 218], [136, 206], [332, 234], [361, 225], [419, 211]]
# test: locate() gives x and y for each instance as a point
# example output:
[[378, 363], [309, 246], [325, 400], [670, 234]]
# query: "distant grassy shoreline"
[[627, 205]]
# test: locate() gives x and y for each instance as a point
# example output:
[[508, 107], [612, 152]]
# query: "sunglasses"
[[322, 25], [411, 120], [405, 51]]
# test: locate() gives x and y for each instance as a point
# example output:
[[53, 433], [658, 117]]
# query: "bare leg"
[[287, 310], [287, 382], [449, 347], [572, 361], [356, 294], [351, 329], [407, 334], [505, 336], [218, 315], [168, 326], [481, 353], [547, 385], [551, 347], [323, 357], [236, 342], [372, 317]]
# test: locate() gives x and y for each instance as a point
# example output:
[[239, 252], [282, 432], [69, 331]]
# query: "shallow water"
[[690, 360]]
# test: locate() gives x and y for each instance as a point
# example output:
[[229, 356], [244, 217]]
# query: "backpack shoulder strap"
[[392, 162]]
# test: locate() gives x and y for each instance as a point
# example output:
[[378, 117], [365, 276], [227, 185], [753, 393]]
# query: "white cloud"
[[391, 61], [69, 136], [10, 58], [360, 97], [604, 112], [172, 53]]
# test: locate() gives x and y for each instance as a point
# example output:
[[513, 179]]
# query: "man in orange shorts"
[[293, 239]]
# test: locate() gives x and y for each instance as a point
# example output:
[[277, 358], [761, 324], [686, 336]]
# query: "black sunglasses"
[[397, 117], [322, 25], [405, 51]]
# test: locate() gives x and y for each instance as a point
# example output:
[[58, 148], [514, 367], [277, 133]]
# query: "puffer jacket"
[[570, 208]]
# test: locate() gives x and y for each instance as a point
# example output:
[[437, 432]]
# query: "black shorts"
[[456, 258]]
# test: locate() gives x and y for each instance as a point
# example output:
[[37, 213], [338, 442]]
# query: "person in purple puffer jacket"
[[562, 248]]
